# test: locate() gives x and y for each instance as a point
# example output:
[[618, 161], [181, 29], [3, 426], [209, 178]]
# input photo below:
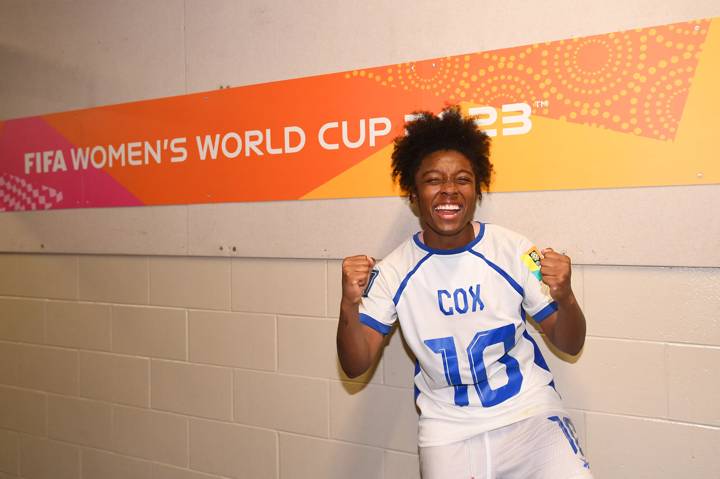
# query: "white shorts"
[[541, 447]]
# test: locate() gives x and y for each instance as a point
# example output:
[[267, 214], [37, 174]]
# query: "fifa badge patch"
[[531, 258]]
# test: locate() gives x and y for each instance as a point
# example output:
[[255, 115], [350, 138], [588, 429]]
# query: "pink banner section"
[[67, 187]]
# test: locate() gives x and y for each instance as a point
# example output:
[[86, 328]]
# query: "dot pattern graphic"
[[636, 82]]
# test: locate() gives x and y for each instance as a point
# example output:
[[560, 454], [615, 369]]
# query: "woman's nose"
[[449, 187]]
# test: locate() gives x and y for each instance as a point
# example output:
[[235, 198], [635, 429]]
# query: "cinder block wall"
[[178, 367], [162, 367]]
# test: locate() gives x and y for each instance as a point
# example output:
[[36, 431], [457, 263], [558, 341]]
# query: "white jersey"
[[463, 314]]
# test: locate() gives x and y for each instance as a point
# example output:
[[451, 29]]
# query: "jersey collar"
[[462, 249]]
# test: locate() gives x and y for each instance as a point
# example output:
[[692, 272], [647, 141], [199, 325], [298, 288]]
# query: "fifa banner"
[[630, 109]]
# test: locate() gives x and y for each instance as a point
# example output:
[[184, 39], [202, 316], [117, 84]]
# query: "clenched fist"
[[355, 273], [556, 272]]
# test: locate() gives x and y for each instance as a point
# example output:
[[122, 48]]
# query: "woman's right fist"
[[355, 273]]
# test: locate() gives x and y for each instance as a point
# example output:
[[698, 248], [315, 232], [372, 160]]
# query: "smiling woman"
[[461, 291]]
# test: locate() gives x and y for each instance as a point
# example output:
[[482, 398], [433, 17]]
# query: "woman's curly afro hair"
[[429, 133]]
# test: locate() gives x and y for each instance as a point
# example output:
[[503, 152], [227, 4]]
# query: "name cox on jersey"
[[460, 301]]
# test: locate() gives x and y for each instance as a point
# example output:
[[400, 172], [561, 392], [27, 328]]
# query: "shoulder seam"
[[404, 282]]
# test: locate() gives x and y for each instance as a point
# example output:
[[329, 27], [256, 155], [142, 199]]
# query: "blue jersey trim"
[[543, 314], [502, 273], [373, 323], [417, 371], [404, 283], [539, 359], [462, 249]]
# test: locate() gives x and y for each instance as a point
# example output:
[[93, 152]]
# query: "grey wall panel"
[[156, 230], [66, 55], [238, 43], [670, 226]]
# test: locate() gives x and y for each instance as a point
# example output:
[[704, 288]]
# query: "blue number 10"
[[488, 396]]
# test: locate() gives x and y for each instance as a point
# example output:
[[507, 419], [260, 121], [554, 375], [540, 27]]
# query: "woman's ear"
[[412, 202]]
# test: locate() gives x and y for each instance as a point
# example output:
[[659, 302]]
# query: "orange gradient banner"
[[627, 109]]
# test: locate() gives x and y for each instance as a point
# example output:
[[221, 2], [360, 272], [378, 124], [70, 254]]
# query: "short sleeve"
[[537, 301], [377, 309]]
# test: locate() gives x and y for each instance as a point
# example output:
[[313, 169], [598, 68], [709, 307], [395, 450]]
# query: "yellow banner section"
[[563, 153]]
